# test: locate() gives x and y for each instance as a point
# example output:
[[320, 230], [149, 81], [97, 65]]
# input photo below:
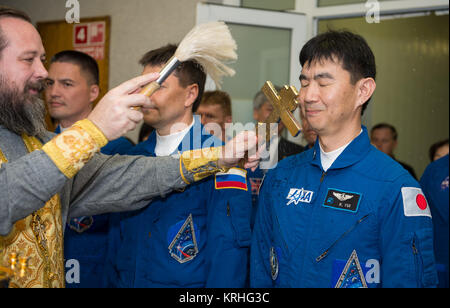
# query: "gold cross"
[[283, 104]]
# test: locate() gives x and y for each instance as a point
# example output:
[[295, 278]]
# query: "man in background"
[[280, 147], [215, 109], [72, 86], [277, 149], [384, 136], [435, 185], [438, 150]]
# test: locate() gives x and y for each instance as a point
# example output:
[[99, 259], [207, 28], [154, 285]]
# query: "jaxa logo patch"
[[81, 224], [296, 195], [183, 246]]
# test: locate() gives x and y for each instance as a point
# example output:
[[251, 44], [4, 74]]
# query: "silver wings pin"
[[342, 196]]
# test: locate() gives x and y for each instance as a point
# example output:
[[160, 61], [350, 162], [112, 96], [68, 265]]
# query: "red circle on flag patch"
[[421, 202]]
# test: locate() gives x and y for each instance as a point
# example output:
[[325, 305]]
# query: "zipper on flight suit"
[[279, 230], [417, 262], [325, 253], [323, 176]]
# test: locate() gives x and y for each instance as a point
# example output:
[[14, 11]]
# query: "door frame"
[[315, 13]]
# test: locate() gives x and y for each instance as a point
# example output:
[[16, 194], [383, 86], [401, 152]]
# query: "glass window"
[[264, 54]]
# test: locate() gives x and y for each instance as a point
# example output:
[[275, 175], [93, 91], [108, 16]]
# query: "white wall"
[[137, 26]]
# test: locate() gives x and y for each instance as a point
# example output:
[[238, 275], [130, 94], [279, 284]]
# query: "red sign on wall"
[[97, 33], [80, 35], [90, 38]]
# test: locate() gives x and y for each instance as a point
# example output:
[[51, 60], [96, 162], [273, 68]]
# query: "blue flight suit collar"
[[353, 153], [190, 141], [150, 144]]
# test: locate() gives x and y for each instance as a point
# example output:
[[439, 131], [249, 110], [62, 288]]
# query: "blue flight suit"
[[145, 252], [85, 238], [285, 149], [364, 222], [435, 182]]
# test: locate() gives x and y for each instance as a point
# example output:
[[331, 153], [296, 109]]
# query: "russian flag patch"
[[235, 178]]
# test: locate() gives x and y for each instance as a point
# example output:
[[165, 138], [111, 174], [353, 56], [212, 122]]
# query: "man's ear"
[[366, 87], [94, 92], [255, 114], [191, 94]]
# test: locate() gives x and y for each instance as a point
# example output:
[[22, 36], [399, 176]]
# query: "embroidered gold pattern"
[[71, 149], [201, 162], [39, 238]]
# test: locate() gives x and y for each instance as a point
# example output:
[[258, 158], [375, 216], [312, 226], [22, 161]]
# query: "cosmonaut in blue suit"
[[72, 87], [197, 238], [341, 214], [200, 237], [86, 237], [434, 183]]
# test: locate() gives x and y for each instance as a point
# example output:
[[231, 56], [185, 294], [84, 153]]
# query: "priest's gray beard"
[[22, 112]]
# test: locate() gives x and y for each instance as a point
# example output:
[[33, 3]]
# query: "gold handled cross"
[[284, 103]]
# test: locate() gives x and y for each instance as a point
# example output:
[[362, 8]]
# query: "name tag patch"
[[342, 200]]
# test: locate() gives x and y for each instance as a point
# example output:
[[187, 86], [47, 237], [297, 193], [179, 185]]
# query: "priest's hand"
[[114, 114], [236, 148]]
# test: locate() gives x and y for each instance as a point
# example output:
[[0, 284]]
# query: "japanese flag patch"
[[414, 202]]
